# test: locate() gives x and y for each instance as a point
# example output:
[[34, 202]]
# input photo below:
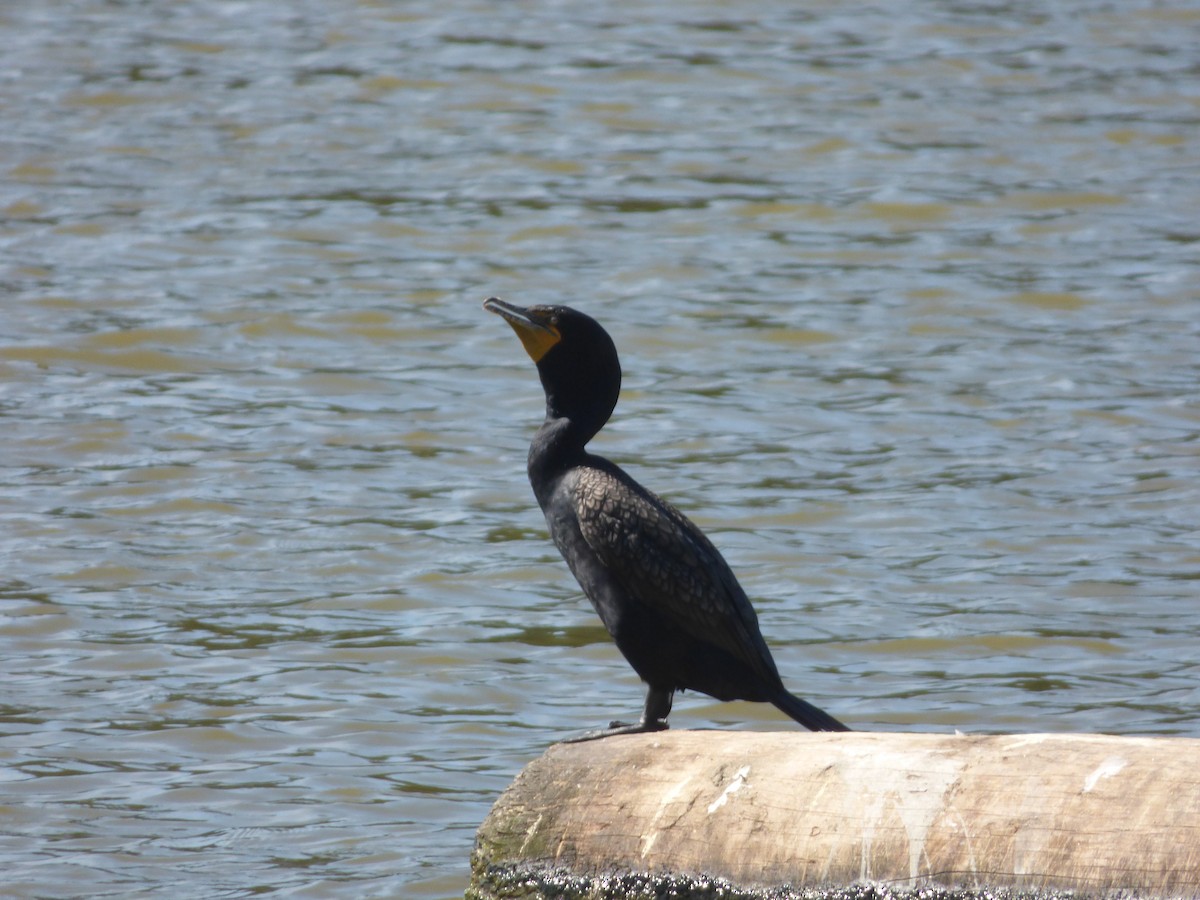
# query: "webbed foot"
[[615, 728]]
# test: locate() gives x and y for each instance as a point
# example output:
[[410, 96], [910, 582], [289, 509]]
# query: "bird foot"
[[615, 728]]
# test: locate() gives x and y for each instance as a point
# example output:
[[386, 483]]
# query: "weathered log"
[[764, 814]]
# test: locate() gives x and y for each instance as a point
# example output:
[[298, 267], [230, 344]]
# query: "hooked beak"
[[532, 325]]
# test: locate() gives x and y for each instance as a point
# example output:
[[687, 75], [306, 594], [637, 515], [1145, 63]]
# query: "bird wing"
[[663, 560]]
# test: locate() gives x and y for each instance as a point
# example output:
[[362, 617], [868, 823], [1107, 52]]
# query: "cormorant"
[[663, 591]]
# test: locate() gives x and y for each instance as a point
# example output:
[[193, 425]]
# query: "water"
[[907, 303]]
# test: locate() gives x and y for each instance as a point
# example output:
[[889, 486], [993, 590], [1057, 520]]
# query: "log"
[[743, 814]]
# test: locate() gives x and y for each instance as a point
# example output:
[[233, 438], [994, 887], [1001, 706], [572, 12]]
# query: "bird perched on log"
[[663, 591]]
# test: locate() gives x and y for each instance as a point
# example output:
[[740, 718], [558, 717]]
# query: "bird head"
[[576, 360]]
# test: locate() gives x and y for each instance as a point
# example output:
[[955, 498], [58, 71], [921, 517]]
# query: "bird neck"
[[557, 448]]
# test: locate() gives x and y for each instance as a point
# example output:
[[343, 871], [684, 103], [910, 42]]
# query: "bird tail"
[[806, 714]]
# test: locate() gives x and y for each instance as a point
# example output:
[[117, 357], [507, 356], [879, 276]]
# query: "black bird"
[[663, 591]]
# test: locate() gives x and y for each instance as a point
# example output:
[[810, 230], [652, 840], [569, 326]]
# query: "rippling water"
[[907, 303]]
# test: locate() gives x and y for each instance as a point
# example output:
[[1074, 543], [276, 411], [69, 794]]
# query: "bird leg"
[[654, 718]]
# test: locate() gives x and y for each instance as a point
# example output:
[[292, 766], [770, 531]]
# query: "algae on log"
[[757, 814]]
